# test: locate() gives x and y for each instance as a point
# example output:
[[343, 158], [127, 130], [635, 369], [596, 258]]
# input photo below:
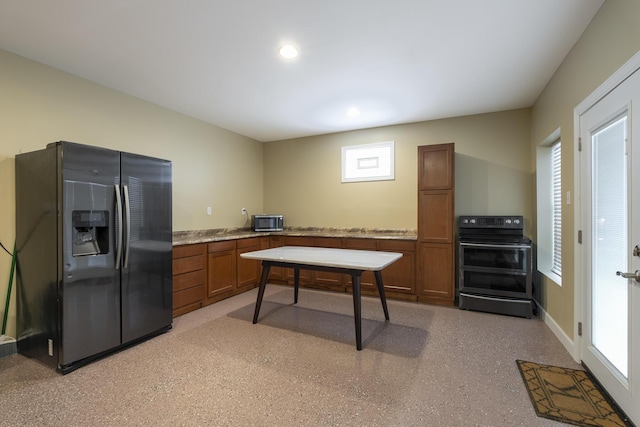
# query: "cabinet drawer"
[[188, 296], [188, 280], [187, 250], [226, 245], [396, 245], [246, 243], [185, 265]]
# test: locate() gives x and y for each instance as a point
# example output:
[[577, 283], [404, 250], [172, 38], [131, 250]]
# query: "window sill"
[[552, 276]]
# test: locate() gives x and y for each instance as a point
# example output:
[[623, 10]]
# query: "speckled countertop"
[[220, 234]]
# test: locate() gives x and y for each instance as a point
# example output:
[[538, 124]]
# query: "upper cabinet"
[[436, 167]]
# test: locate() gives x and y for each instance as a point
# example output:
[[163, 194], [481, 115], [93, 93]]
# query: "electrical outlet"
[[208, 210], [244, 211]]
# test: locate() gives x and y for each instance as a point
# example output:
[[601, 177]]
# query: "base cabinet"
[[222, 268], [399, 278], [367, 280], [325, 279], [209, 272], [189, 274], [436, 273], [277, 274], [247, 270], [305, 275]]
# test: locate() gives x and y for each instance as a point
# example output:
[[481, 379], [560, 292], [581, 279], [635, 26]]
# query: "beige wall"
[[610, 40], [211, 166], [302, 177]]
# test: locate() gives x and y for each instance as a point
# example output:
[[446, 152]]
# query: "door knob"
[[635, 276]]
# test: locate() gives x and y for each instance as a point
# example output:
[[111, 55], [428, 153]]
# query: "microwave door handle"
[[119, 218]]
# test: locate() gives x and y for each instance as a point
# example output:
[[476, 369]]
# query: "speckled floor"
[[429, 366]]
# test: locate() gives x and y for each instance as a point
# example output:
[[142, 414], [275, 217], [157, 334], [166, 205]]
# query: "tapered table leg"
[[383, 298], [357, 308], [266, 267], [296, 284]]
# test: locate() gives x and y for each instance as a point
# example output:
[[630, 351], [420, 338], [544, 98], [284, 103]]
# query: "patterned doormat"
[[569, 396]]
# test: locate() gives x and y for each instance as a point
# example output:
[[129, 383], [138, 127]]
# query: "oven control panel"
[[509, 222]]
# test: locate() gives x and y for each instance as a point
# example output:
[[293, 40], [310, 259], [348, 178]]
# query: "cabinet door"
[[435, 216], [248, 270], [401, 275], [326, 279], [436, 169], [435, 273], [305, 275], [221, 268]]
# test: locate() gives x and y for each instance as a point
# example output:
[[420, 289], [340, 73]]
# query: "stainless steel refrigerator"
[[93, 235]]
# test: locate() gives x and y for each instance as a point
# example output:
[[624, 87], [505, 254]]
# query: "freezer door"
[[90, 283], [146, 260]]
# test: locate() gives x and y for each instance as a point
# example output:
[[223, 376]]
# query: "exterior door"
[[610, 206]]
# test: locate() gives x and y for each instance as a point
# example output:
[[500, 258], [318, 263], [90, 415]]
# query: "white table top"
[[327, 257]]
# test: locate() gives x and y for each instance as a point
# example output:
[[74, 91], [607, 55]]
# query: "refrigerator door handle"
[[119, 237], [127, 213]]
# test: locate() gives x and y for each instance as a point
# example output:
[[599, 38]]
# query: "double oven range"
[[494, 265]]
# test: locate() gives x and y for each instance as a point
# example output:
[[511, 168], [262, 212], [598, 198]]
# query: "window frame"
[[549, 202]]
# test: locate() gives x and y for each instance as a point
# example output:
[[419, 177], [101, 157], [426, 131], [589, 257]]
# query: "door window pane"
[[609, 250]]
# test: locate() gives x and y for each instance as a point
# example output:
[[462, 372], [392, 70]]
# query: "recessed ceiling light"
[[288, 51], [353, 112]]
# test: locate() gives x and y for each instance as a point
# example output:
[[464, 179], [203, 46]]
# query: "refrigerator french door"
[[93, 230]]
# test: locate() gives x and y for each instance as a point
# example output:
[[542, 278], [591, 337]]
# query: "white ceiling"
[[398, 61]]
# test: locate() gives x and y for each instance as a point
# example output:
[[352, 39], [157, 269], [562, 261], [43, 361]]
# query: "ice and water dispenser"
[[90, 232]]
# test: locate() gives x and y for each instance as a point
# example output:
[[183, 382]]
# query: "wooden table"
[[346, 261]]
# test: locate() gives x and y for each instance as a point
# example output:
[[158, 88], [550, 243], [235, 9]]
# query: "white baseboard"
[[564, 339]]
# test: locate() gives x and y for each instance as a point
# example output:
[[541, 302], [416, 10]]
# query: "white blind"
[[556, 194]]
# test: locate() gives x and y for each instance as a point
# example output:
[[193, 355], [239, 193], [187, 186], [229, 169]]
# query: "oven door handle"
[[494, 246]]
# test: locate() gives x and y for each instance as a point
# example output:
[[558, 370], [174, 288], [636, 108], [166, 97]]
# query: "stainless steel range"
[[494, 265]]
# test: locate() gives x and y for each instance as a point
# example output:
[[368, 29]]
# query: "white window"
[[368, 162], [556, 191], [549, 202]]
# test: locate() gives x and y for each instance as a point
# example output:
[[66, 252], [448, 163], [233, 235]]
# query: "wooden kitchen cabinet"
[[436, 273], [436, 167], [305, 275], [277, 274], [189, 273], [436, 219], [367, 280], [325, 279], [248, 270], [221, 268], [399, 278]]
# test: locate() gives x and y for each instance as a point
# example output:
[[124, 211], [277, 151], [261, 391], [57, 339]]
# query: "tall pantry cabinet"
[[436, 241]]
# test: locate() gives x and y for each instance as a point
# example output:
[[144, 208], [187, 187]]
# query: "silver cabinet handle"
[[119, 237], [635, 276]]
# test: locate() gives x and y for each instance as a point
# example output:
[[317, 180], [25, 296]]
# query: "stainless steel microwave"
[[267, 222]]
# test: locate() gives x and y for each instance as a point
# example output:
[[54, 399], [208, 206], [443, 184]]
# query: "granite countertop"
[[221, 234]]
